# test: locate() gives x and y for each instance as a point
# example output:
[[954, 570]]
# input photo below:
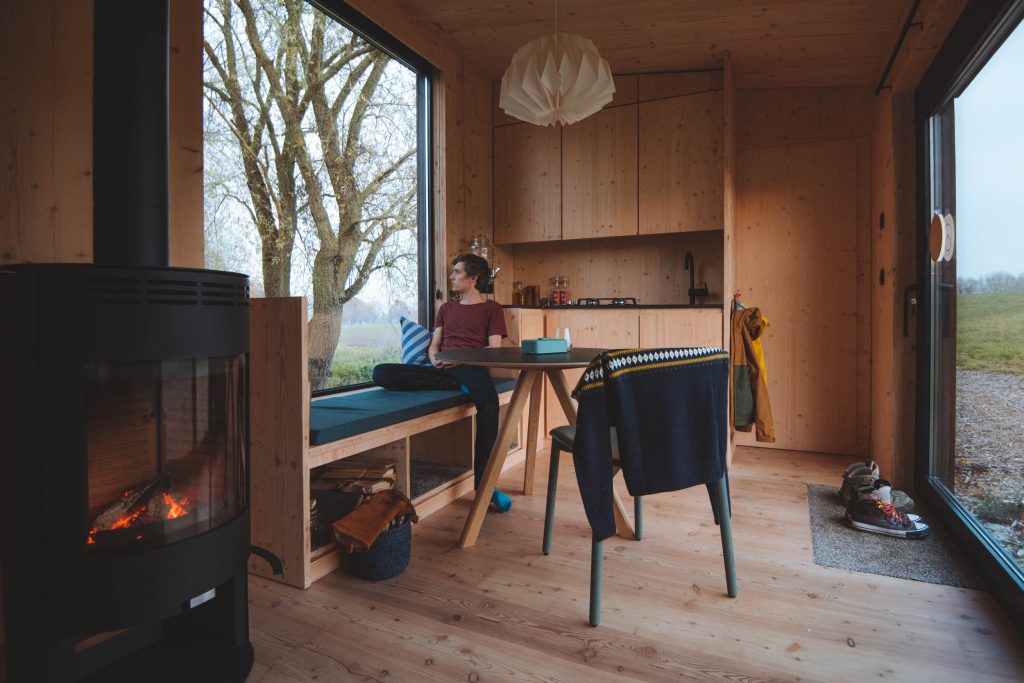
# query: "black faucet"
[[693, 292]]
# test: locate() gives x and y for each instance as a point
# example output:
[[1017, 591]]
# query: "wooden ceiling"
[[774, 43]]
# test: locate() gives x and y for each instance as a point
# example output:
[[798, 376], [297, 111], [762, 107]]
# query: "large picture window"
[[971, 277], [314, 184]]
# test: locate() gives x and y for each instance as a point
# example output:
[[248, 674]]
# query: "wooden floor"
[[502, 610]]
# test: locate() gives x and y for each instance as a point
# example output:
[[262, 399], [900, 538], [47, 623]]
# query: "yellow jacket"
[[750, 406]]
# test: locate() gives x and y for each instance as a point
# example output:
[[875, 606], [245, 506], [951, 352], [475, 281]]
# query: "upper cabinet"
[[527, 183], [681, 163], [650, 162], [599, 174]]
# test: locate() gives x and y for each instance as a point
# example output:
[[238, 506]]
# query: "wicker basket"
[[387, 557]]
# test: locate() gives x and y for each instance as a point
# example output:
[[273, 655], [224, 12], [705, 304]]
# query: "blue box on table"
[[544, 345]]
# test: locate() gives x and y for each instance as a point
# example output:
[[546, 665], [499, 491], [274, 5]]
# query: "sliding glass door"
[[971, 263]]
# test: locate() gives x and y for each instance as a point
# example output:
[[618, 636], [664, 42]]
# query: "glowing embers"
[[141, 515]]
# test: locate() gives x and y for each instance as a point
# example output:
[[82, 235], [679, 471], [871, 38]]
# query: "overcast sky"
[[990, 165]]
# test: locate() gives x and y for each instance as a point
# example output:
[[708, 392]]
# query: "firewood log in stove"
[[130, 500]]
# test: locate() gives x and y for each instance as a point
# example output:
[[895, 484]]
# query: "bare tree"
[[316, 126]]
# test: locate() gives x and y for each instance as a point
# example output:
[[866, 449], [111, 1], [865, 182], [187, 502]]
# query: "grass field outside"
[[990, 332], [360, 348]]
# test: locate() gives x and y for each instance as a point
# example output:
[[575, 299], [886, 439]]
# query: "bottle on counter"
[[559, 290], [518, 295]]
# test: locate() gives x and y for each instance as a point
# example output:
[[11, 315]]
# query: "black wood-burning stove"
[[125, 437], [124, 420]]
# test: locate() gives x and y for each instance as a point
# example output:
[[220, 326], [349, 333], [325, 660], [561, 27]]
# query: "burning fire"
[[175, 508], [161, 507]]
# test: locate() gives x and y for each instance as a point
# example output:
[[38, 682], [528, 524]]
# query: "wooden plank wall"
[[46, 81], [884, 289], [894, 193], [185, 166], [803, 254], [279, 437], [649, 268], [46, 119]]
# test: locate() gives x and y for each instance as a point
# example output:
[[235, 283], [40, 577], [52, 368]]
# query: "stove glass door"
[[166, 444]]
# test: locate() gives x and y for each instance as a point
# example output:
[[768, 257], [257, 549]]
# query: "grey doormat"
[[836, 544]]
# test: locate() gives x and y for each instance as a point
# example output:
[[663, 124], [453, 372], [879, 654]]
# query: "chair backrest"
[[670, 411]]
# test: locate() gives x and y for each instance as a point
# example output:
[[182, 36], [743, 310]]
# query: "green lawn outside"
[[361, 347], [990, 332]]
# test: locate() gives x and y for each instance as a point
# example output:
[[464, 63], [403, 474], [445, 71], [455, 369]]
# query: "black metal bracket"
[[271, 558]]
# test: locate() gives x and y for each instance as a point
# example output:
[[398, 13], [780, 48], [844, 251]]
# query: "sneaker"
[[893, 493], [874, 512], [857, 474], [900, 500], [867, 473]]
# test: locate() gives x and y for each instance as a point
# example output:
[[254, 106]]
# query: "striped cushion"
[[415, 342]]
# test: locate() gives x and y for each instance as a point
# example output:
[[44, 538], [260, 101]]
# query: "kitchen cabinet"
[[599, 175], [647, 168], [681, 162], [680, 327], [527, 183]]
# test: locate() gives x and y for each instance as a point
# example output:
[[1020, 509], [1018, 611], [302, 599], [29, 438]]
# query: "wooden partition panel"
[[279, 413], [803, 256]]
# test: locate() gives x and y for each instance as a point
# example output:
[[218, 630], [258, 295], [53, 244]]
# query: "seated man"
[[472, 322]]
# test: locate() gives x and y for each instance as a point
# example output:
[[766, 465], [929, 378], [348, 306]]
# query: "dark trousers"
[[402, 377]]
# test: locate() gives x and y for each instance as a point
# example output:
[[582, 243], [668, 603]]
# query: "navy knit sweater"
[[670, 411]]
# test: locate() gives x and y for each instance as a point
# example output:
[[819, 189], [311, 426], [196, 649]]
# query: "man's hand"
[[441, 363]]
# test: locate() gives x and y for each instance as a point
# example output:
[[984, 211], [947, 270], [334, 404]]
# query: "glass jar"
[[480, 244], [517, 293]]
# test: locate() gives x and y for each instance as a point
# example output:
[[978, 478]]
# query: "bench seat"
[[339, 417]]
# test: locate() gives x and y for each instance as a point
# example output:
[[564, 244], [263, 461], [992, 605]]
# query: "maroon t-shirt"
[[467, 326]]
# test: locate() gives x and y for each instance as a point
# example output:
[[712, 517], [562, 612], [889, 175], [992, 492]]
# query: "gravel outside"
[[989, 465]]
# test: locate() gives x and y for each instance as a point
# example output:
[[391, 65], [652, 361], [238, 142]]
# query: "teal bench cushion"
[[338, 417]]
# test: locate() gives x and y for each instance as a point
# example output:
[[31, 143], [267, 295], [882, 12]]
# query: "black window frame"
[[368, 30]]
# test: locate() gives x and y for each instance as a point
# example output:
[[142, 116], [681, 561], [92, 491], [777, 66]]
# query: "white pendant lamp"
[[558, 78]]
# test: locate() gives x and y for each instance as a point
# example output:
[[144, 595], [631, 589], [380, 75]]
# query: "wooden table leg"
[[531, 434], [622, 524], [561, 388], [497, 459]]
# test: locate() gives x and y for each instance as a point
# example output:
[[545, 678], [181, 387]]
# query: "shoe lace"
[[889, 510]]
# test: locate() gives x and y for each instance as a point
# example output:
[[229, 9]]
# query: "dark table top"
[[511, 357]]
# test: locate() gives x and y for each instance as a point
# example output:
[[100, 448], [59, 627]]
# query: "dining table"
[[532, 368]]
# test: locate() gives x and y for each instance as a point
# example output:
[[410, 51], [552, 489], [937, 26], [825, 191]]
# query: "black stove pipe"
[[130, 132]]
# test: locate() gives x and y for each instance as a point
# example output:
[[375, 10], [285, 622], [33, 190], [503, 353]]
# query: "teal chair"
[[562, 439]]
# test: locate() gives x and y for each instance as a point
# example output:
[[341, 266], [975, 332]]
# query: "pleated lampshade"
[[559, 78]]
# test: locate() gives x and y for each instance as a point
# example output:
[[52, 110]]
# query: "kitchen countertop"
[[613, 306]]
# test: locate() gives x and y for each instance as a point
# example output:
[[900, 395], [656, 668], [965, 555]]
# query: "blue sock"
[[501, 501]]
